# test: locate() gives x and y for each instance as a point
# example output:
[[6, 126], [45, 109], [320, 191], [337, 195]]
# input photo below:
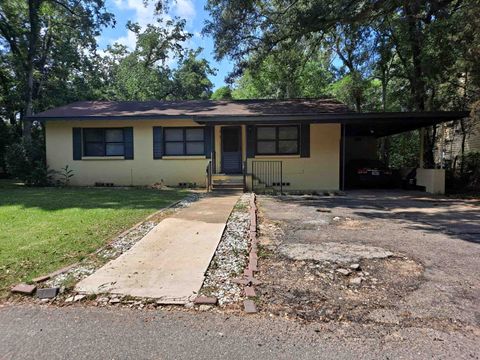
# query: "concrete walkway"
[[170, 262]]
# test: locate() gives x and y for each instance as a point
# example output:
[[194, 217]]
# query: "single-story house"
[[298, 144]]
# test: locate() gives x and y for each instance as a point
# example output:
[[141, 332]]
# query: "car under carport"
[[360, 139]]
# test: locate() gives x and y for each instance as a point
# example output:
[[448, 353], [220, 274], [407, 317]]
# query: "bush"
[[468, 180], [8, 136], [25, 161], [471, 170]]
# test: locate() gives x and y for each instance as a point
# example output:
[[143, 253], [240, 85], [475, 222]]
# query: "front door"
[[232, 150]]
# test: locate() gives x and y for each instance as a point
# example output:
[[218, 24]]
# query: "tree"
[[146, 73], [290, 74], [38, 33], [417, 49], [190, 80], [222, 93]]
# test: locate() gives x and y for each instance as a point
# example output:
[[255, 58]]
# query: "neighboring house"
[[450, 138], [173, 142]]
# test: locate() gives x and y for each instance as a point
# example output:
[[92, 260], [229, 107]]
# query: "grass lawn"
[[43, 229]]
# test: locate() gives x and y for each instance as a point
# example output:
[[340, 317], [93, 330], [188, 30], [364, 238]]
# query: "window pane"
[[94, 149], [266, 133], [266, 147], [288, 147], [93, 135], [195, 148], [114, 135], [115, 149], [195, 134], [174, 148], [173, 134], [288, 133]]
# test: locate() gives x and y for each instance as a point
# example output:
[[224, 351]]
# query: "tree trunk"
[[412, 12], [33, 8], [462, 149]]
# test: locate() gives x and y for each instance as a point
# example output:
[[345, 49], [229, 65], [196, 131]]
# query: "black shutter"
[[77, 143], [250, 141], [209, 144], [305, 140], [128, 138], [157, 142]]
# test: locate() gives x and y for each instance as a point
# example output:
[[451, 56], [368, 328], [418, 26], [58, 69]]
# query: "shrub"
[[25, 161], [471, 170], [65, 175]]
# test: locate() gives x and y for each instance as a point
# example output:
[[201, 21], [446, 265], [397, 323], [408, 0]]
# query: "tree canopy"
[[422, 47]]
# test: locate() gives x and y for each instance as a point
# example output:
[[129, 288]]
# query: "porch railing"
[[209, 172], [267, 174], [245, 164]]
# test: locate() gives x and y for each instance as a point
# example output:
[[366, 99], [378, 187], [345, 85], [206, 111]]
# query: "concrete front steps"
[[224, 182]]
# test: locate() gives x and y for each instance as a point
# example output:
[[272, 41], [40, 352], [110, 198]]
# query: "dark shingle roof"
[[193, 108]]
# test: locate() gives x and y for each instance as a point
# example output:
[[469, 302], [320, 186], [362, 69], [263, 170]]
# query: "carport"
[[360, 132]]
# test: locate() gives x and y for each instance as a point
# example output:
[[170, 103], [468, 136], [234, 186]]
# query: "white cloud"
[[129, 40], [144, 15], [185, 9]]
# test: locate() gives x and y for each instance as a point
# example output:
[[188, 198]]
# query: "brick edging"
[[248, 279]]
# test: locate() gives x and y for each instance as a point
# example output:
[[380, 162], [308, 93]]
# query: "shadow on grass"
[[53, 198]]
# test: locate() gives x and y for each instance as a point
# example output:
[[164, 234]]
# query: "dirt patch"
[[325, 291], [333, 252], [348, 223]]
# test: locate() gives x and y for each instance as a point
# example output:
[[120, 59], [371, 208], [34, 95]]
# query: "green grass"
[[43, 229]]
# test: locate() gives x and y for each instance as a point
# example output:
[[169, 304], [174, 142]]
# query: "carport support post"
[[422, 148]]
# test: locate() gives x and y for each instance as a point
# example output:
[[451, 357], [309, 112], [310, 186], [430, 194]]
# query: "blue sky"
[[190, 10]]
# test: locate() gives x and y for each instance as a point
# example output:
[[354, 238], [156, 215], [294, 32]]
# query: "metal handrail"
[[269, 173], [245, 164], [209, 175]]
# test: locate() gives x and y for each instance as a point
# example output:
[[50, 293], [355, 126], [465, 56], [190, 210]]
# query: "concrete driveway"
[[170, 262]]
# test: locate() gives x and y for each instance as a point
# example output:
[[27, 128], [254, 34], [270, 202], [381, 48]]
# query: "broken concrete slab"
[[23, 289], [333, 252], [355, 266], [48, 293], [356, 281], [344, 272]]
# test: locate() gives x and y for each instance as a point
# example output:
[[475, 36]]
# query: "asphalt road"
[[77, 332]]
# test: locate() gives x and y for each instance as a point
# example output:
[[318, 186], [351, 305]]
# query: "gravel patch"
[[230, 258]]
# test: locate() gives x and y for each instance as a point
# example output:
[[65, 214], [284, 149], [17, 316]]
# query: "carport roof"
[[253, 112]]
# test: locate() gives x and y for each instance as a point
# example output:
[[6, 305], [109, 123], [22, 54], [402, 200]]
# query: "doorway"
[[231, 149]]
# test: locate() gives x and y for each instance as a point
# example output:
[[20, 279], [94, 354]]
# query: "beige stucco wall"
[[321, 171], [318, 172], [142, 170]]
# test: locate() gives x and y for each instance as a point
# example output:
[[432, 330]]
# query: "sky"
[[190, 10]]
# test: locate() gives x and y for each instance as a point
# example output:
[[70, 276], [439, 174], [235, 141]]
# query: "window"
[[104, 142], [277, 140], [184, 141]]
